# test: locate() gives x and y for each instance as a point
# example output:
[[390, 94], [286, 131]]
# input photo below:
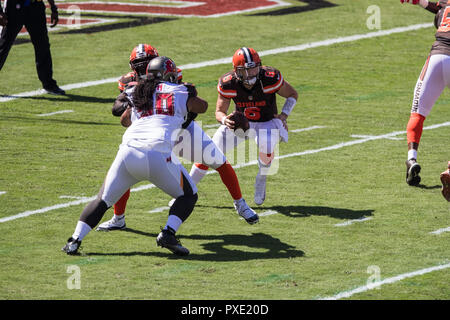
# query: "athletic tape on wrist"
[[288, 105]]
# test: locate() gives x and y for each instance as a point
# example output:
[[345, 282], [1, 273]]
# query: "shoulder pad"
[[226, 86]]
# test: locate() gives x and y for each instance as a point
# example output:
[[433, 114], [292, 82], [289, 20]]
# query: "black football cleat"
[[72, 246], [54, 90], [167, 239], [412, 172]]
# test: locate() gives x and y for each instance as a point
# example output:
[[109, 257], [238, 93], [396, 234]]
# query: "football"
[[240, 121]]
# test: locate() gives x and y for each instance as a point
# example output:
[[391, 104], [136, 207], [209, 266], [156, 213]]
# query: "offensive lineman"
[[160, 106], [139, 58], [435, 76], [253, 89]]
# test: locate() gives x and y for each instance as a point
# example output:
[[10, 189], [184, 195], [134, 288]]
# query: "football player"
[[430, 84], [253, 89], [160, 106], [186, 148]]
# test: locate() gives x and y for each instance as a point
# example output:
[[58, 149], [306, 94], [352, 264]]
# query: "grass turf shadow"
[[261, 246]]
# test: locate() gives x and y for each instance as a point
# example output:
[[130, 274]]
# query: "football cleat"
[[245, 211], [445, 179], [260, 189], [412, 172], [167, 239], [55, 90], [71, 246], [113, 224]]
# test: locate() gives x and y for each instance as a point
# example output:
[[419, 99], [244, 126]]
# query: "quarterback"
[[253, 89]]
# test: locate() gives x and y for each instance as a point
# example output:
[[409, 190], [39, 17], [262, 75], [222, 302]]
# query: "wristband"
[[288, 105], [223, 120]]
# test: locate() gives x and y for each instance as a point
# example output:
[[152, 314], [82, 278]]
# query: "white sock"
[[173, 222], [81, 230], [412, 154], [197, 174], [119, 217]]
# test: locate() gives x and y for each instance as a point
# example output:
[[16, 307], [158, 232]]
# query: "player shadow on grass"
[[423, 186], [306, 211], [226, 247]]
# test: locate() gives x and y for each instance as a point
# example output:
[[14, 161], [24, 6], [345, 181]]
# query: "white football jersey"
[[158, 127]]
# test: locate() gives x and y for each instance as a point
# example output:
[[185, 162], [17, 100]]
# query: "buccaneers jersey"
[[155, 127], [442, 23], [130, 80], [259, 104]]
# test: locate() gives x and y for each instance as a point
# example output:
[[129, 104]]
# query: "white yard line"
[[2, 192], [349, 222], [307, 129], [367, 136], [53, 113], [160, 209], [265, 213], [439, 231], [347, 294], [301, 47], [297, 154]]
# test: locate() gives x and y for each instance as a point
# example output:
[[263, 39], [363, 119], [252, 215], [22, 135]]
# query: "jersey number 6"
[[445, 23], [252, 113]]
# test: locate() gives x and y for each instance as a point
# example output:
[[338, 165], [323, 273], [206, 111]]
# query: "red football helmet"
[[246, 63], [141, 56]]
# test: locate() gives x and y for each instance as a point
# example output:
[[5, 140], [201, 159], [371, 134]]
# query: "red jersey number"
[[252, 113], [164, 104], [445, 23]]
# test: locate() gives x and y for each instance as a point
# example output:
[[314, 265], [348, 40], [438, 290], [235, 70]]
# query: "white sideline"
[[149, 186], [347, 294], [301, 47]]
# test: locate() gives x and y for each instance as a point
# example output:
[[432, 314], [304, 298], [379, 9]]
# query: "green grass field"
[[351, 90]]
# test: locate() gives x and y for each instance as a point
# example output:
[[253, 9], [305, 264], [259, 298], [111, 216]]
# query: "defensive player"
[[160, 106], [253, 89], [191, 145], [435, 76]]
